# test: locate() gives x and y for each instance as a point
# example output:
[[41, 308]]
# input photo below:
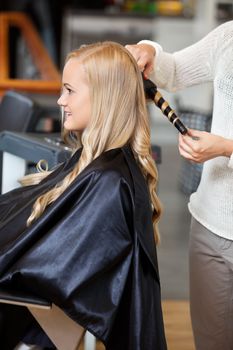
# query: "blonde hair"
[[118, 116]]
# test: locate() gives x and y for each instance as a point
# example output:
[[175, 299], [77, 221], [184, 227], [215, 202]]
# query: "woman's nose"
[[61, 101]]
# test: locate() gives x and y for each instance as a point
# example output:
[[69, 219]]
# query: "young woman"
[[211, 237], [84, 237]]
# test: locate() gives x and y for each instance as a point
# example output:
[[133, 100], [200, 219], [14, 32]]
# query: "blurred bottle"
[[176, 8], [170, 8], [141, 6]]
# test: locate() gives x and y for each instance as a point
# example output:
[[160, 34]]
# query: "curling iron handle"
[[180, 127]]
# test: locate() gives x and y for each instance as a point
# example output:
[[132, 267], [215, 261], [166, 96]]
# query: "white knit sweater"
[[210, 59]]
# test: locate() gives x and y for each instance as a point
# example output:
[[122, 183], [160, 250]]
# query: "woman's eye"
[[66, 89]]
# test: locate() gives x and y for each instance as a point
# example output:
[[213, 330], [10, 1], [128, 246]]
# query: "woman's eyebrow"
[[68, 85]]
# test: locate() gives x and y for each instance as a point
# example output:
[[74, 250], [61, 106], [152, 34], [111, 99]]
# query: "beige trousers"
[[211, 289]]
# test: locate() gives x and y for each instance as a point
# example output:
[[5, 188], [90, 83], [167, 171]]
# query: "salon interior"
[[35, 37]]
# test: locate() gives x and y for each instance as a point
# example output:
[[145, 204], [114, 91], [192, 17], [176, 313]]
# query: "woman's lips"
[[68, 114]]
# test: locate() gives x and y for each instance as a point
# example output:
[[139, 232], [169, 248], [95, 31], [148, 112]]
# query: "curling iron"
[[153, 94]]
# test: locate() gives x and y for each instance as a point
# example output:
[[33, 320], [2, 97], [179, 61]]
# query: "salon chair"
[[17, 112], [62, 330]]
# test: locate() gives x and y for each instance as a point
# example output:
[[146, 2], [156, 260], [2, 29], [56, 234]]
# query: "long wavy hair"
[[118, 116]]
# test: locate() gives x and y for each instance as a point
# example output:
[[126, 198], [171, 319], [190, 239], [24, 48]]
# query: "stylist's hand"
[[207, 146], [144, 54]]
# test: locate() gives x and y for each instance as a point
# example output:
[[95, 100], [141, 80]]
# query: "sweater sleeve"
[[193, 65]]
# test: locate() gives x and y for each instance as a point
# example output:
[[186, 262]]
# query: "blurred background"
[[66, 24]]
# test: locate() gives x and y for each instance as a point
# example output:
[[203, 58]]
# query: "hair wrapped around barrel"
[[153, 94]]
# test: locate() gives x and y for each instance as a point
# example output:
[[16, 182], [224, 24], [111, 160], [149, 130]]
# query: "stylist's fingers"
[[144, 55], [134, 50], [140, 57], [148, 70], [184, 150], [183, 146], [185, 154], [187, 150], [193, 137]]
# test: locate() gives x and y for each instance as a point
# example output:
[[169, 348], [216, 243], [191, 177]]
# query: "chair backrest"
[[17, 112]]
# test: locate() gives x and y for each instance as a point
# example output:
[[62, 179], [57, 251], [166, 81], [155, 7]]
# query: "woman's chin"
[[71, 127]]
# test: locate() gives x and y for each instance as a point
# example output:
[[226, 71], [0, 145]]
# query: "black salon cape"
[[92, 252]]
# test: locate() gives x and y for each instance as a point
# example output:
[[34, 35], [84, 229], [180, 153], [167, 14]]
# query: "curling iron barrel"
[[153, 94]]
